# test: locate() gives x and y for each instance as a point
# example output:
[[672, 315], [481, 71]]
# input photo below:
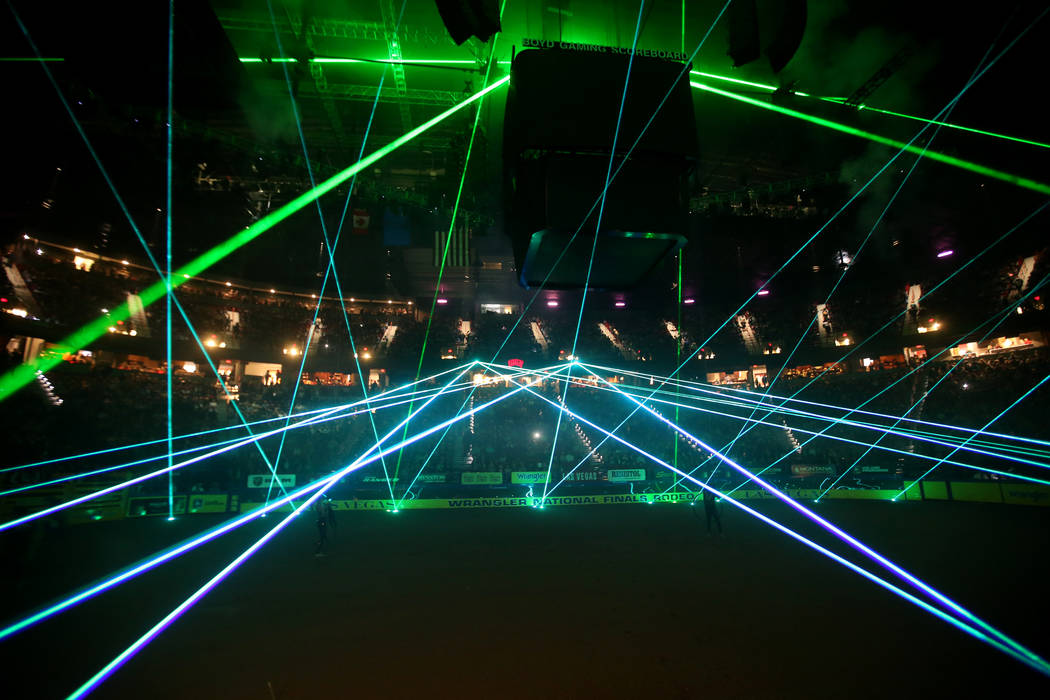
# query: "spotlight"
[[945, 253], [763, 292], [689, 301], [442, 301], [552, 304], [620, 304]]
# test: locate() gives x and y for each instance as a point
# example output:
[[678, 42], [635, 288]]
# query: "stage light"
[[123, 262], [620, 304], [689, 301], [552, 304], [763, 292], [945, 253], [190, 367], [273, 291], [229, 284], [535, 436]]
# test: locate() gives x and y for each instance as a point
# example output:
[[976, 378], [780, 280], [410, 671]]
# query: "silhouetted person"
[[321, 509], [330, 514], [711, 510]]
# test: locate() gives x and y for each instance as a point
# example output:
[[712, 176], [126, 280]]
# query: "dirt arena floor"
[[630, 601]]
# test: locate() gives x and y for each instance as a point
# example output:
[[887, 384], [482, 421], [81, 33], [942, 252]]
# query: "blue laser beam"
[[362, 461], [717, 390], [1006, 644], [200, 448], [997, 417], [850, 540], [594, 242], [903, 377], [108, 450], [883, 430], [318, 487]]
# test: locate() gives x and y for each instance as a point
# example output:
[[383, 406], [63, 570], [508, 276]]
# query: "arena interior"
[[517, 349]]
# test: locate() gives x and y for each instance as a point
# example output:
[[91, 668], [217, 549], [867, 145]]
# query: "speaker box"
[[559, 125]]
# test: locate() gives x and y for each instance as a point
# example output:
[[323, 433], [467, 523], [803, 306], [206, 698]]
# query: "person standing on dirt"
[[711, 510]]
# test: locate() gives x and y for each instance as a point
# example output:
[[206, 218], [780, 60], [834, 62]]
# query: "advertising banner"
[[580, 475], [811, 469], [539, 477], [476, 478], [262, 481], [625, 475], [208, 502]]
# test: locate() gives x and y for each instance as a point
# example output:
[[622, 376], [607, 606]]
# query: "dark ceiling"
[[235, 120]]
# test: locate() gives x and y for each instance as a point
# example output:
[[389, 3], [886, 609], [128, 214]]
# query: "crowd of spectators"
[[106, 407]]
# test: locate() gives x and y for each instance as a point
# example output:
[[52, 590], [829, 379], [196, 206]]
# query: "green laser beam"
[[681, 338], [169, 294], [400, 61], [339, 230], [869, 108], [23, 374], [330, 272], [860, 249], [1007, 137], [170, 297], [451, 227], [960, 163]]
